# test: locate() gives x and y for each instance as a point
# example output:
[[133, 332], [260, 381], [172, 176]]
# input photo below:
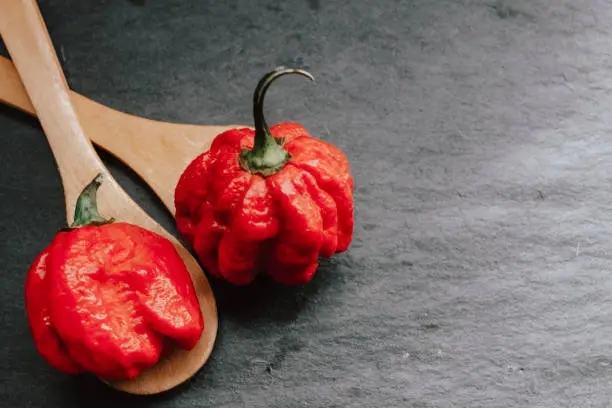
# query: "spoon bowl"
[[26, 37]]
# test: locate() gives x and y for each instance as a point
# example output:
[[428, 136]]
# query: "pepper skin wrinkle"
[[110, 299], [243, 219]]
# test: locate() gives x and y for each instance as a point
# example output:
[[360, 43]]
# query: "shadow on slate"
[[83, 387], [18, 115], [268, 300], [314, 5]]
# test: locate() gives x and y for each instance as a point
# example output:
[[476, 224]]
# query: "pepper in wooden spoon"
[[30, 47]]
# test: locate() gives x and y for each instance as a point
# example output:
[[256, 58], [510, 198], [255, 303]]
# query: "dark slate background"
[[479, 134]]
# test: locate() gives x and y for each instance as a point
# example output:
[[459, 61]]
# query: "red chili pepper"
[[269, 200], [109, 297]]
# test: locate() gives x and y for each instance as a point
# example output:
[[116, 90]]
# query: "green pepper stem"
[[86, 210], [267, 156]]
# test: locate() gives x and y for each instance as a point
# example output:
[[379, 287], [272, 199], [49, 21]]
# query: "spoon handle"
[[27, 40]]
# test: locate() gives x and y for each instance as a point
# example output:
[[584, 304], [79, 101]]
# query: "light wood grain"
[[29, 45], [157, 151]]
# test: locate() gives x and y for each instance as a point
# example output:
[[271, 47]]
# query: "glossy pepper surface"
[[109, 297], [268, 200]]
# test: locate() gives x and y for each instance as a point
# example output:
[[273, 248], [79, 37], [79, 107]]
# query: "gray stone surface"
[[479, 137]]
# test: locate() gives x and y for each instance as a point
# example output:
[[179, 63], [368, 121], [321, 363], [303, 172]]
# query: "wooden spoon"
[[157, 151], [28, 42]]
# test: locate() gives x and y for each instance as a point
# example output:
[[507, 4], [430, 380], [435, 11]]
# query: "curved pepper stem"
[[86, 211], [267, 156]]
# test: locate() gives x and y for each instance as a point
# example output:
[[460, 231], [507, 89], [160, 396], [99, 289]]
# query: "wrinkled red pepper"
[[269, 200], [109, 297]]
